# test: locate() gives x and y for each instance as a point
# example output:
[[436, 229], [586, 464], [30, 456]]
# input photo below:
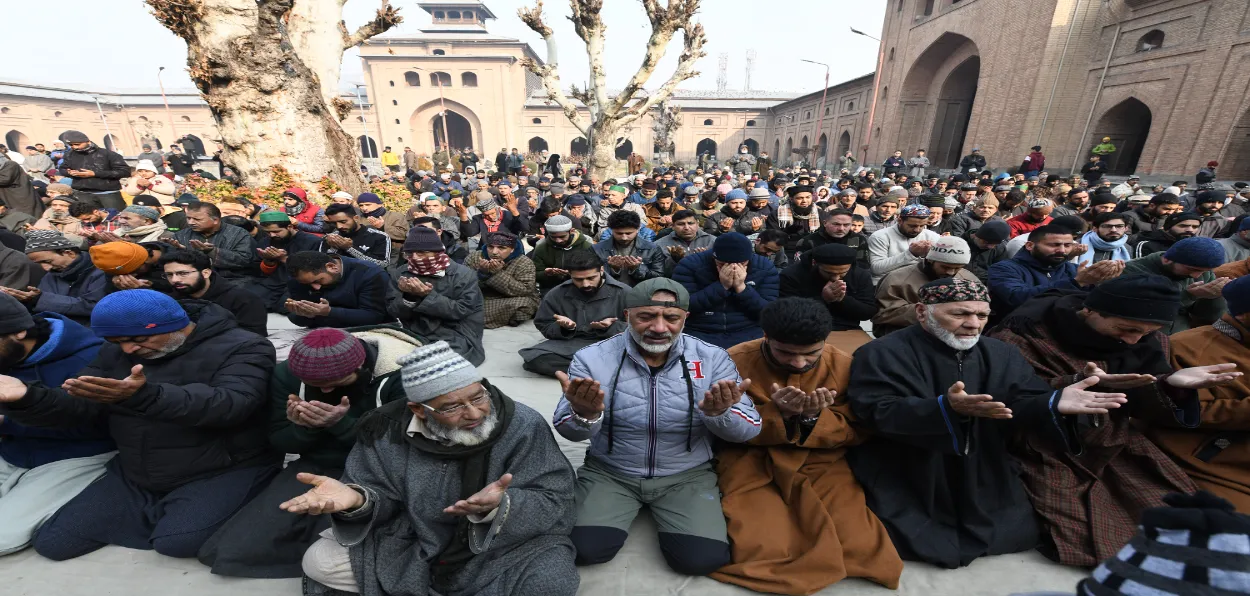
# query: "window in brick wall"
[[928, 7], [750, 123], [1150, 41], [707, 122]]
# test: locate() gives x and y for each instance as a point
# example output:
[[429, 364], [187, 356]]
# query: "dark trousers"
[[548, 364], [176, 523], [110, 200], [262, 540]]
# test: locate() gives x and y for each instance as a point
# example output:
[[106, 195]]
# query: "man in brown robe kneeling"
[[797, 518]]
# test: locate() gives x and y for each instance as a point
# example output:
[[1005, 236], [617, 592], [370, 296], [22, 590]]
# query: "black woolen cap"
[[13, 316], [833, 254], [1148, 298]]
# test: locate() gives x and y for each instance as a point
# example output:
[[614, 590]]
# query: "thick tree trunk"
[[602, 152], [269, 105]]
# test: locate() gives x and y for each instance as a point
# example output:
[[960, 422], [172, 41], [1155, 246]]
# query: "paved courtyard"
[[639, 569]]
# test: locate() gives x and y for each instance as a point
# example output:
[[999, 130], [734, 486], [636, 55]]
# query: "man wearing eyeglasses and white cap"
[[457, 490]]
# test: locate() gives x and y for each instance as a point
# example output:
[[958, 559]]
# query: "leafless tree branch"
[[549, 73], [387, 17]]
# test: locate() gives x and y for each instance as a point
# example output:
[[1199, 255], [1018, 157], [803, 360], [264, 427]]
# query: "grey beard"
[[646, 347], [468, 438], [931, 325], [172, 346]]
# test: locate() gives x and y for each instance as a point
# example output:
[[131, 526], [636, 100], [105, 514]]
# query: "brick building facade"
[[1165, 79]]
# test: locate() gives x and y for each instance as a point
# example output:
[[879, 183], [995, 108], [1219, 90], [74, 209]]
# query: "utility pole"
[[820, 111], [168, 114]]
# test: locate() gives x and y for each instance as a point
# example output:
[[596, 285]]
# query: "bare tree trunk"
[[602, 152], [271, 107]]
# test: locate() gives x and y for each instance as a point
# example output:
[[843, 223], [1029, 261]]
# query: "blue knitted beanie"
[[137, 313], [736, 193], [1237, 295], [1196, 252]]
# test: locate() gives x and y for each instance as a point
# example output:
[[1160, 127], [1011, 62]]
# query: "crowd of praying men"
[[860, 367]]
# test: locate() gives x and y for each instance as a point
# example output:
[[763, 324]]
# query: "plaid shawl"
[[1090, 503]]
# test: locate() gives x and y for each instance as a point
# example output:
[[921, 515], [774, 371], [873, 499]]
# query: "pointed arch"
[[1128, 125]]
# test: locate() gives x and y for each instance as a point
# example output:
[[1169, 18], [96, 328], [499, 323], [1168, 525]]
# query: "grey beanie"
[[434, 370], [145, 212], [558, 223], [41, 240]]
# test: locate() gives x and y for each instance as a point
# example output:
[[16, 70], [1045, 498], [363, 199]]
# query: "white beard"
[[465, 437], [173, 345], [646, 347], [931, 325]]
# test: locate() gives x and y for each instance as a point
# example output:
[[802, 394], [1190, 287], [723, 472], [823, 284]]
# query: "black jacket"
[[1151, 242], [108, 166], [972, 161], [1138, 220], [201, 413], [248, 312], [1093, 172], [358, 299], [860, 303], [274, 284], [182, 164], [979, 264]]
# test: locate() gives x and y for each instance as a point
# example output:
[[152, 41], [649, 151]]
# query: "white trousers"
[[29, 497], [329, 564]]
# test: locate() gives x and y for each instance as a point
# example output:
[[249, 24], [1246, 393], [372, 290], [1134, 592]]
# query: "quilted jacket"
[[651, 426], [716, 311]]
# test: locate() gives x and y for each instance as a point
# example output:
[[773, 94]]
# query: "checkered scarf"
[[435, 266]]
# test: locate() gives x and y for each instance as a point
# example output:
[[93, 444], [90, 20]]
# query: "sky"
[[117, 44]]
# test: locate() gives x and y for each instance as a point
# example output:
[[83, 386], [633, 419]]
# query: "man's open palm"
[[1201, 377], [585, 395], [327, 496], [981, 404], [1077, 399], [11, 389], [483, 501]]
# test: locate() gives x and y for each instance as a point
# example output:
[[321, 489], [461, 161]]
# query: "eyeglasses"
[[476, 402], [1112, 227]]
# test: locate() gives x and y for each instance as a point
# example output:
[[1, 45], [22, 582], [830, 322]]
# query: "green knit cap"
[[273, 217]]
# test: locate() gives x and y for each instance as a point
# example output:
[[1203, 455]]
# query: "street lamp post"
[[820, 111], [876, 84], [108, 133], [443, 107], [168, 114], [364, 123]]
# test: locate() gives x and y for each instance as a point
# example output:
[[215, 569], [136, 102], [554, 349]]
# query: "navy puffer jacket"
[[718, 315]]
